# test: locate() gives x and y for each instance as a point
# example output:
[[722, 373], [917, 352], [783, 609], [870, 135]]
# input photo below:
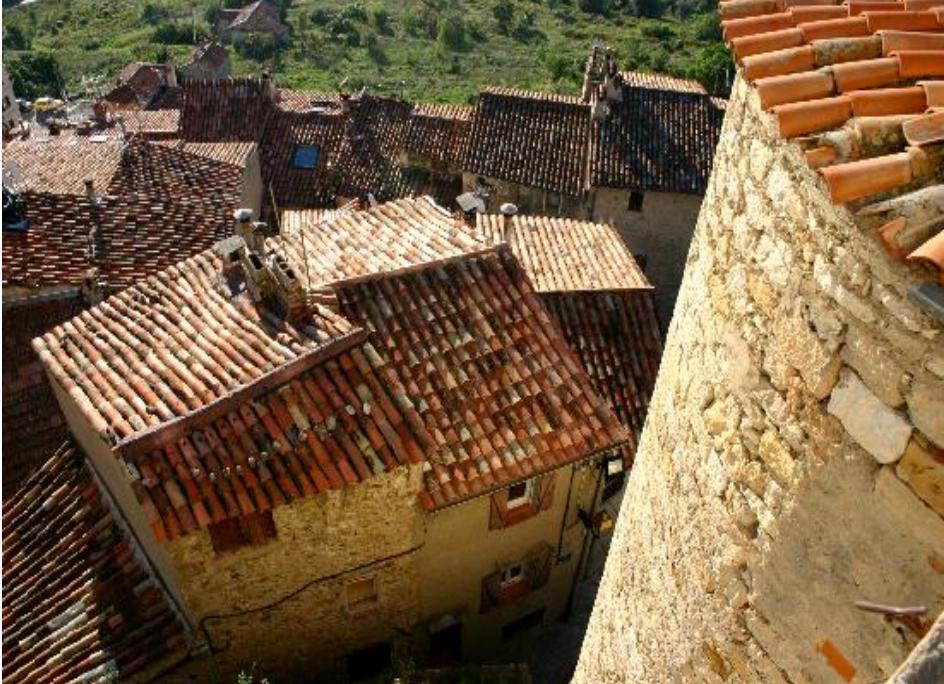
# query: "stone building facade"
[[790, 466]]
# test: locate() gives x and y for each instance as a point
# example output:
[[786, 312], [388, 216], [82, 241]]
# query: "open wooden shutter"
[[491, 591], [538, 566], [544, 490], [498, 517]]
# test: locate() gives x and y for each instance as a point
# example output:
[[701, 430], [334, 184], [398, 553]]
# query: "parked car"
[[47, 104]]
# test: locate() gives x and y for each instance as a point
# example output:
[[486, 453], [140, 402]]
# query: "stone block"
[[878, 429], [922, 467], [875, 363], [801, 348], [926, 407]]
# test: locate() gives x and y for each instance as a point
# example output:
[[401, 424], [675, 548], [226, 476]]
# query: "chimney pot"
[[90, 188], [507, 211]]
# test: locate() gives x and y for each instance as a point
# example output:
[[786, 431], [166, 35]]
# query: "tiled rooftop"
[[565, 255], [642, 79], [61, 164], [859, 86], [495, 384], [390, 237], [78, 605], [439, 133], [155, 206], [529, 138], [232, 153], [661, 137], [176, 343], [33, 425]]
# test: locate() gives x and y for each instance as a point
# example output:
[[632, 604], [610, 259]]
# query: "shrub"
[[712, 67], [593, 6], [35, 74], [504, 12], [707, 27], [321, 17], [16, 39], [152, 14], [355, 12], [258, 46], [451, 33], [661, 32], [649, 8], [170, 33], [380, 19]]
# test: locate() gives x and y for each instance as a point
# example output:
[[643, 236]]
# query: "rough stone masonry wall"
[[292, 619], [759, 508]]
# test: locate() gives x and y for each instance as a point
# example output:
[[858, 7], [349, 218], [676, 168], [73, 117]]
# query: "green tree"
[[35, 74], [712, 67], [16, 39], [504, 12], [380, 18], [649, 8], [451, 33]]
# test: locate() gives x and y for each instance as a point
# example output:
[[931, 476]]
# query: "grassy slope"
[[98, 36]]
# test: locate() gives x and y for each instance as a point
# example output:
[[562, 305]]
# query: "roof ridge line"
[[153, 438]]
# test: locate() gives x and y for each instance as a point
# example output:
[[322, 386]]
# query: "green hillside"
[[427, 50]]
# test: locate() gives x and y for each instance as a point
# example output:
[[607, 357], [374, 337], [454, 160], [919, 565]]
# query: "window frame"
[[507, 579], [525, 498], [364, 603]]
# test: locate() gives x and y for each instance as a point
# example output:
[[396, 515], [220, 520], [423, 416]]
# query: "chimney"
[[269, 91], [243, 228], [288, 288], [507, 211], [90, 189]]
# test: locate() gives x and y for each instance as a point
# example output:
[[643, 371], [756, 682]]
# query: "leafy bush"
[[661, 32], [593, 6], [35, 74], [649, 8], [380, 19], [321, 17], [712, 68], [152, 14], [504, 12], [16, 39], [355, 12], [707, 27], [451, 33], [170, 33], [259, 46]]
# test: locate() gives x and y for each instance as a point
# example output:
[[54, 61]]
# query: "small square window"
[[520, 493], [305, 157], [635, 201], [511, 575], [361, 593]]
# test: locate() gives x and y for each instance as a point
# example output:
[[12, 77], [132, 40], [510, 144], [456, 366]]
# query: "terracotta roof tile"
[[565, 255], [495, 384], [439, 134], [33, 424], [232, 153], [529, 138], [78, 604], [61, 164], [174, 344], [390, 237], [642, 79], [850, 98], [656, 139]]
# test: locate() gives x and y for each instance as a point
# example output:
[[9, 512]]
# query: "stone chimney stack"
[[243, 224], [508, 210], [89, 189]]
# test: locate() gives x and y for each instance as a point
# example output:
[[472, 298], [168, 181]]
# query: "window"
[[614, 476], [521, 501], [511, 575], [305, 157], [519, 494], [361, 593], [635, 201], [246, 530]]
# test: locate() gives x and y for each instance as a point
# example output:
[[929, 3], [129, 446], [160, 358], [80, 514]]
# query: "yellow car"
[[47, 104]]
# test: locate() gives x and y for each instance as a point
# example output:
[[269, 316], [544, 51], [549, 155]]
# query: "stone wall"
[[661, 232], [790, 464], [284, 604]]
